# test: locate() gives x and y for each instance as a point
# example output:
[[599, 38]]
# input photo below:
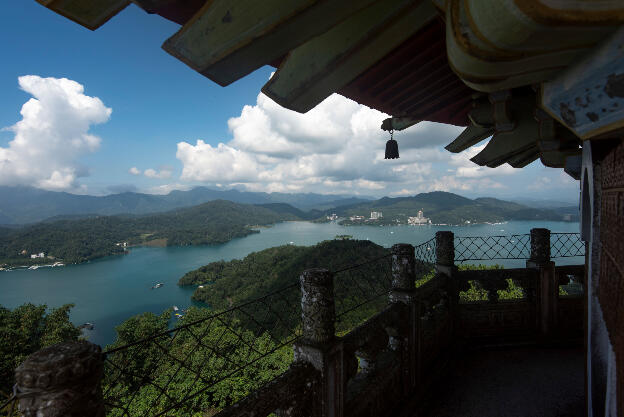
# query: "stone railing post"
[[445, 252], [403, 273], [404, 291], [61, 380], [318, 345], [548, 290]]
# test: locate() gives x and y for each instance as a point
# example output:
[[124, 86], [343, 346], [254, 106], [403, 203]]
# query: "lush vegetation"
[[448, 208], [75, 241], [223, 284], [157, 360], [25, 330], [217, 347]]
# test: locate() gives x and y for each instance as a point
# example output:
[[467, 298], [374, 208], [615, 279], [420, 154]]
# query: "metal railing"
[[194, 366], [361, 291], [213, 359]]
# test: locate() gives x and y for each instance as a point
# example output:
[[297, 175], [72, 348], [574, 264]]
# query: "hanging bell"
[[392, 148]]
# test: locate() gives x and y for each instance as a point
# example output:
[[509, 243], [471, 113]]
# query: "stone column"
[[547, 286], [403, 338], [403, 273], [445, 252], [317, 306], [540, 245], [318, 345], [62, 380]]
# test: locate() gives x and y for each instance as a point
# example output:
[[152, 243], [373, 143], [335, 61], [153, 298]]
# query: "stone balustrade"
[[390, 359]]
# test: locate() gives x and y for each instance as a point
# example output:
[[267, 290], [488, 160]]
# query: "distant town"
[[376, 217]]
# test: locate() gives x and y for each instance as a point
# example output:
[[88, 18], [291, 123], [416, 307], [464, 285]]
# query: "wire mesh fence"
[[361, 290], [209, 362], [564, 245], [8, 407], [479, 248]]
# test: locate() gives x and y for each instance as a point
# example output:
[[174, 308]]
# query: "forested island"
[[80, 240], [223, 284]]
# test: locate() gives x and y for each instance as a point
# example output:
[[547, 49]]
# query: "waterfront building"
[[376, 215], [418, 220]]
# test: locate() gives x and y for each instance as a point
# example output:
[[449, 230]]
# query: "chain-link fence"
[[208, 362], [8, 407], [565, 245], [481, 248], [361, 291]]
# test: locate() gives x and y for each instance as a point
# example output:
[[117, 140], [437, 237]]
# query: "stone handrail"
[[389, 359]]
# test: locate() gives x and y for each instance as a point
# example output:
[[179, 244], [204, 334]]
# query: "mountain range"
[[20, 205], [448, 208]]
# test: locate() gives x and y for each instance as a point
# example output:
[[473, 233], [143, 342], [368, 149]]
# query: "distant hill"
[[83, 239], [20, 205], [449, 208]]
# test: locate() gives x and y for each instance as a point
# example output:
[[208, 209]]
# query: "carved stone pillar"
[[369, 352], [540, 245], [547, 286], [445, 252], [403, 273], [62, 380], [318, 345], [317, 306]]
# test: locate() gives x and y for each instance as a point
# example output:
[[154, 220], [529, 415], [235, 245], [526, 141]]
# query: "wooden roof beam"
[[328, 62], [227, 40], [469, 137], [89, 13]]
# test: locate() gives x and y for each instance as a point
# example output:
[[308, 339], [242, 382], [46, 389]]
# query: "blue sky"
[[145, 121]]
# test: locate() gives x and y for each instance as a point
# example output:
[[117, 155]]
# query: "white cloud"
[[337, 147], [167, 188], [162, 174], [52, 135], [134, 171]]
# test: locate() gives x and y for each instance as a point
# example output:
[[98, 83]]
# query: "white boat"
[[160, 284], [34, 267], [175, 308]]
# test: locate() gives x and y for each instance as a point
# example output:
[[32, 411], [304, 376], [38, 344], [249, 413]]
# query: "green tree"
[[27, 329]]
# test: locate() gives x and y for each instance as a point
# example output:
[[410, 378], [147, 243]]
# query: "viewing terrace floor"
[[511, 382]]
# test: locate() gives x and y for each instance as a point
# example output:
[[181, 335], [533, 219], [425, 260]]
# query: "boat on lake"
[[87, 325], [160, 284]]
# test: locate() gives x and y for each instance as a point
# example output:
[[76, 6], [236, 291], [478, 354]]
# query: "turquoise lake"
[[109, 290]]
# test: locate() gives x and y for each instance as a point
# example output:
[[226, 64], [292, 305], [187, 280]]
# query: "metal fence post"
[[62, 380], [548, 290], [318, 345]]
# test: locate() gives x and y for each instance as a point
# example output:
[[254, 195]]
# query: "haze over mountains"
[[19, 205], [22, 205]]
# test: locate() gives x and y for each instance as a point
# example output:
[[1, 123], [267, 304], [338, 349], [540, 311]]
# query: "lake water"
[[109, 290]]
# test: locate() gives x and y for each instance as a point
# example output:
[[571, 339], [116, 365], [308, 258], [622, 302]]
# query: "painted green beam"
[[89, 13], [327, 63], [226, 40]]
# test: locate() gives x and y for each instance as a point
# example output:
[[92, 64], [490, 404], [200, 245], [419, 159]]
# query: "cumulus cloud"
[[52, 135], [163, 173], [337, 147], [134, 171]]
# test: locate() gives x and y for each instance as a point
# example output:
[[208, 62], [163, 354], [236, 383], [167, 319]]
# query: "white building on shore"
[[376, 215], [420, 219]]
